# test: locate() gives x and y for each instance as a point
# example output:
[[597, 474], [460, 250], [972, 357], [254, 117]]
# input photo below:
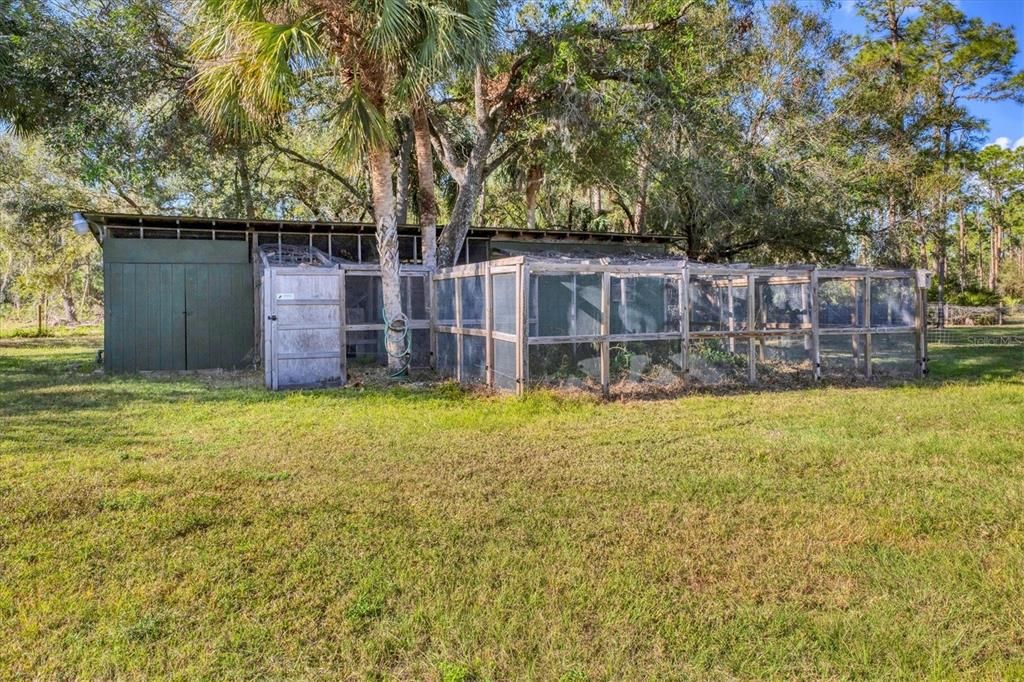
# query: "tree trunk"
[[993, 263], [69, 307], [534, 178], [922, 235], [454, 234], [244, 181], [83, 303], [940, 258], [5, 276], [942, 137], [980, 272], [404, 161], [640, 212], [425, 188], [380, 167], [962, 249]]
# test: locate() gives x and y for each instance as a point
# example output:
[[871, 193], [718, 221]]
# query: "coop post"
[[257, 323], [921, 324], [275, 363], [266, 311], [867, 326], [751, 322], [605, 329], [684, 315], [732, 315], [805, 304], [342, 331], [815, 327], [458, 329], [488, 325], [522, 288], [432, 312]]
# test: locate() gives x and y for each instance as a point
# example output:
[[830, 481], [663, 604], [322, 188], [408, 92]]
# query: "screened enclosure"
[[322, 315], [615, 326]]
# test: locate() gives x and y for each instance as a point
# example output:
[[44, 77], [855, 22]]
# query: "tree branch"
[[124, 195], [316, 165], [501, 158], [443, 148], [645, 26]]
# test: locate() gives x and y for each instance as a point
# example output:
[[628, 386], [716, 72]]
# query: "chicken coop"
[[615, 324], [322, 315]]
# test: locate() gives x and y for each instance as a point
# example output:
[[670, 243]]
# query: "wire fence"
[[614, 325]]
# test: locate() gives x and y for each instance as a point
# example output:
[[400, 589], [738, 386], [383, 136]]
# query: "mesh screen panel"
[[782, 303], [716, 361], [715, 300], [474, 360], [892, 302], [658, 362], [444, 290], [642, 305], [565, 305], [471, 290], [503, 294], [504, 365], [446, 354], [565, 365], [840, 303], [893, 355]]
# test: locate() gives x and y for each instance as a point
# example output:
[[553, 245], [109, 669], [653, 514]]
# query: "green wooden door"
[[218, 318], [171, 304], [144, 316]]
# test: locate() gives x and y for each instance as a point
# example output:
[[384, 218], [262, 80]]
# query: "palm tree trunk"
[[380, 167], [425, 188], [244, 182], [404, 158]]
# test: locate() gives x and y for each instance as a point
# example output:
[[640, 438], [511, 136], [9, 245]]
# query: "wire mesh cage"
[[321, 316], [613, 325]]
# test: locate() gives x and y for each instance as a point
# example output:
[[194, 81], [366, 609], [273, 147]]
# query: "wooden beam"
[[751, 325], [342, 332], [605, 330], [867, 325], [522, 365], [815, 327], [488, 328]]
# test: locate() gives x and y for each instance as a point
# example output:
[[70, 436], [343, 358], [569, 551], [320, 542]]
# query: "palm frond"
[[249, 68], [360, 125]]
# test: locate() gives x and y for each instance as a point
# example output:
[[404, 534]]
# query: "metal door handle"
[[272, 318]]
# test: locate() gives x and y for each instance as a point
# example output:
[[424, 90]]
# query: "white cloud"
[[1001, 142], [848, 6], [1019, 143]]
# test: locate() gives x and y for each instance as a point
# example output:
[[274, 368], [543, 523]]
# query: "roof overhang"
[[99, 221]]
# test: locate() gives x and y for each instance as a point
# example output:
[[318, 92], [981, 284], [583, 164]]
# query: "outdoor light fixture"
[[79, 222]]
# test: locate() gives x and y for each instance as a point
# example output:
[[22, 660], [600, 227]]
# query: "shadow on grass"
[[976, 363], [51, 376], [67, 380]]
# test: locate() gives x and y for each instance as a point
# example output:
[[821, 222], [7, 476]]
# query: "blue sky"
[[1006, 119]]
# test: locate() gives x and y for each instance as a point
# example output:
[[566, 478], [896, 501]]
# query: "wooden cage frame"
[[683, 272]]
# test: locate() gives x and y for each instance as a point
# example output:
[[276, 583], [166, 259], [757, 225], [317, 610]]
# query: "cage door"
[[304, 327]]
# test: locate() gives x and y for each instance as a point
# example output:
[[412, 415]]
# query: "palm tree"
[[253, 57]]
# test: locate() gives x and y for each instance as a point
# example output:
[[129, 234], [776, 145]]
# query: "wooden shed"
[[181, 292]]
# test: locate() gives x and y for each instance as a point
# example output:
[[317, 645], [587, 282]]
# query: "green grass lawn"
[[199, 528]]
